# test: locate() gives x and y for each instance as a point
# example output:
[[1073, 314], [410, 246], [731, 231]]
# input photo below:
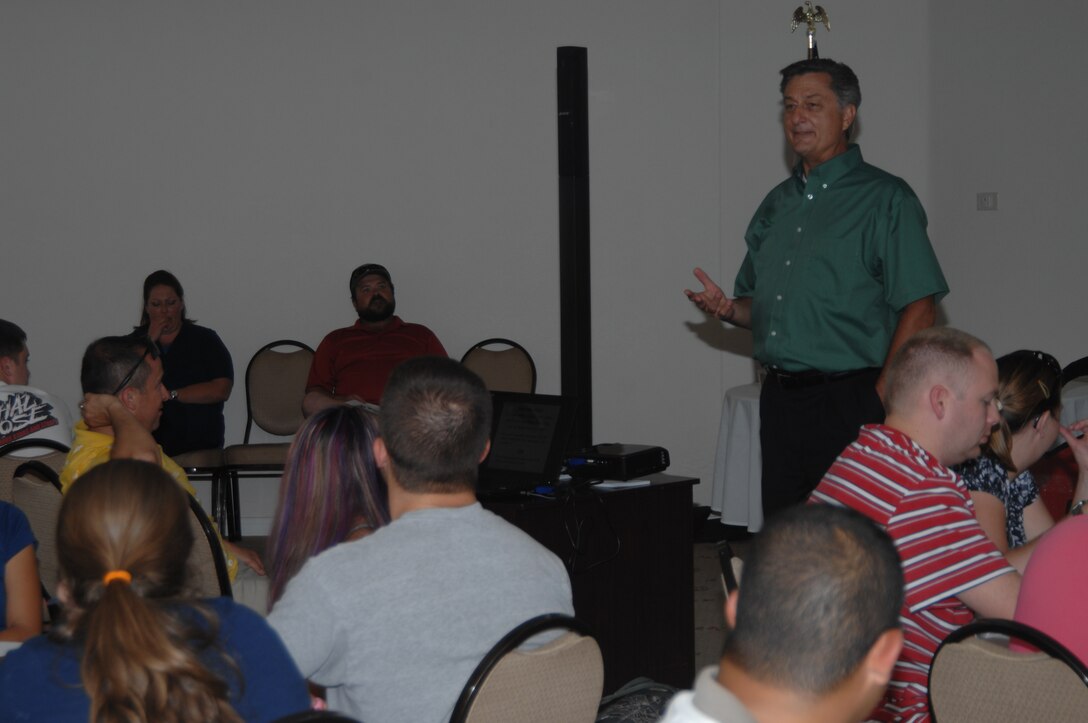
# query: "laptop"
[[529, 434]]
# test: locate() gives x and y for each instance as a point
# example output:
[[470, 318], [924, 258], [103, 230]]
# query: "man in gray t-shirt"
[[394, 624]]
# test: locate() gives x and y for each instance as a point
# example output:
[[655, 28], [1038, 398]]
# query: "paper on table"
[[621, 484]]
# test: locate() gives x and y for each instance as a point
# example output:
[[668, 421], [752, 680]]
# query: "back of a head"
[[938, 351], [821, 585], [435, 421], [109, 359], [329, 482], [1029, 384], [12, 339], [123, 543], [127, 515]]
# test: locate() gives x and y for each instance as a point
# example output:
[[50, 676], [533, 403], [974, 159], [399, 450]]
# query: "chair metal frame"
[[510, 343], [1012, 630], [221, 491], [46, 474], [1075, 370], [28, 443], [508, 643], [233, 471], [218, 556]]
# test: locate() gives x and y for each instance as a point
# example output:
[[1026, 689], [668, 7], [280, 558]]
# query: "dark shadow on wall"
[[722, 337]]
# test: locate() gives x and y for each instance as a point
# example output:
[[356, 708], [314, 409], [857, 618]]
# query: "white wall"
[[1008, 116], [260, 150]]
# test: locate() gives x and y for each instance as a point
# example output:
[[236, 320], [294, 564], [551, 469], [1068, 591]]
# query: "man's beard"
[[379, 309]]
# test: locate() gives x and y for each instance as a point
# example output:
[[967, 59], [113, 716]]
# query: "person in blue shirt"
[[20, 591], [131, 645]]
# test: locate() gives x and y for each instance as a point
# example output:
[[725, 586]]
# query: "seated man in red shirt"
[[354, 363], [940, 397]]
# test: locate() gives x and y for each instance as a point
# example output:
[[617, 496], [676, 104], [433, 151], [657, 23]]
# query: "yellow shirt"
[[90, 449]]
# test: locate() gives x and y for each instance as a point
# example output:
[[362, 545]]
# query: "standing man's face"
[[374, 298], [814, 123]]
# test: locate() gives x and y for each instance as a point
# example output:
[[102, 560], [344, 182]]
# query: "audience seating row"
[[33, 485], [275, 384]]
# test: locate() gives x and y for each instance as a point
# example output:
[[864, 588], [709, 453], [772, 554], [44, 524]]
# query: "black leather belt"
[[811, 378]]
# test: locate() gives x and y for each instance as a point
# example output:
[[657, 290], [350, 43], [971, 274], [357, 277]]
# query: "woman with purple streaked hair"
[[331, 492]]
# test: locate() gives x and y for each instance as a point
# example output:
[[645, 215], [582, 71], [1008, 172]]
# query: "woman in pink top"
[[1054, 588]]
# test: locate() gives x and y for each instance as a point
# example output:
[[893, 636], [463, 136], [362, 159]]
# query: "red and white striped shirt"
[[927, 511]]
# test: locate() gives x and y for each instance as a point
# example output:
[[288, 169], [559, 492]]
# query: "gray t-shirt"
[[394, 624]]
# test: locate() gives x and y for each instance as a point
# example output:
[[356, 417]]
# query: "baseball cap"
[[367, 270]]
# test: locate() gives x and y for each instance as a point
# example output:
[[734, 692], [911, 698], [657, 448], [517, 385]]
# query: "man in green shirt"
[[839, 273]]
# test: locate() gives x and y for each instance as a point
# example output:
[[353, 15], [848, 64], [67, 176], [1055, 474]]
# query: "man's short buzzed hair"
[[435, 421], [942, 348], [821, 584], [109, 359], [12, 339]]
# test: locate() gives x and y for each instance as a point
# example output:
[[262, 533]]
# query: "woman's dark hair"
[[162, 277], [1029, 384], [141, 644]]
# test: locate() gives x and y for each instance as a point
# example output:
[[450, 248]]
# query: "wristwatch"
[[174, 395], [1078, 508]]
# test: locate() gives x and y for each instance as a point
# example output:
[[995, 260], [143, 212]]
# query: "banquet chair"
[[9, 461], [210, 464], [977, 676], [275, 386], [509, 368], [39, 498], [558, 681], [208, 576], [1075, 370]]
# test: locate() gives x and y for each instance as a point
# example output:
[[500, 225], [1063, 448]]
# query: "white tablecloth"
[[738, 466]]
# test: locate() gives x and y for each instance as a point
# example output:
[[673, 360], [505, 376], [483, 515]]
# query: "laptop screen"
[[529, 434]]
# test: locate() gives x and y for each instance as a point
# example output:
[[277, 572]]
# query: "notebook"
[[529, 434]]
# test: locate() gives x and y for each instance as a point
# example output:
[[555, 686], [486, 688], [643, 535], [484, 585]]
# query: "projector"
[[617, 461]]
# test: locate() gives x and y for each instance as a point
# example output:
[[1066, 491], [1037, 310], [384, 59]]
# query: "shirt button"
[[788, 262], [798, 229], [810, 196], [825, 185], [774, 333], [779, 297]]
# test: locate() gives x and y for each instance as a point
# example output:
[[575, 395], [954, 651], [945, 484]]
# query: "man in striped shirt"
[[940, 397]]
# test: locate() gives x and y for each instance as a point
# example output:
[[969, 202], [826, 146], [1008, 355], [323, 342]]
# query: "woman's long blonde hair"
[[141, 644]]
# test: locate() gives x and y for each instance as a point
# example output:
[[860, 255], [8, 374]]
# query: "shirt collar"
[[832, 170], [713, 699]]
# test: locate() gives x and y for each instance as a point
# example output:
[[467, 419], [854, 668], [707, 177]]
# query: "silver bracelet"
[[1078, 508]]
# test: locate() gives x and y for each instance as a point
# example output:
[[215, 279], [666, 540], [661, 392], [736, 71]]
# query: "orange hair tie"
[[123, 575]]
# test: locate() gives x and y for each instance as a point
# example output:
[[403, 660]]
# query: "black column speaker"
[[576, 361]]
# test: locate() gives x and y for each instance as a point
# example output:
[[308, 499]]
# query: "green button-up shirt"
[[832, 260]]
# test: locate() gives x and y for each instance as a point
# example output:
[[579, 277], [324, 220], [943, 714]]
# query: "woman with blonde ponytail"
[[1006, 499], [132, 644]]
